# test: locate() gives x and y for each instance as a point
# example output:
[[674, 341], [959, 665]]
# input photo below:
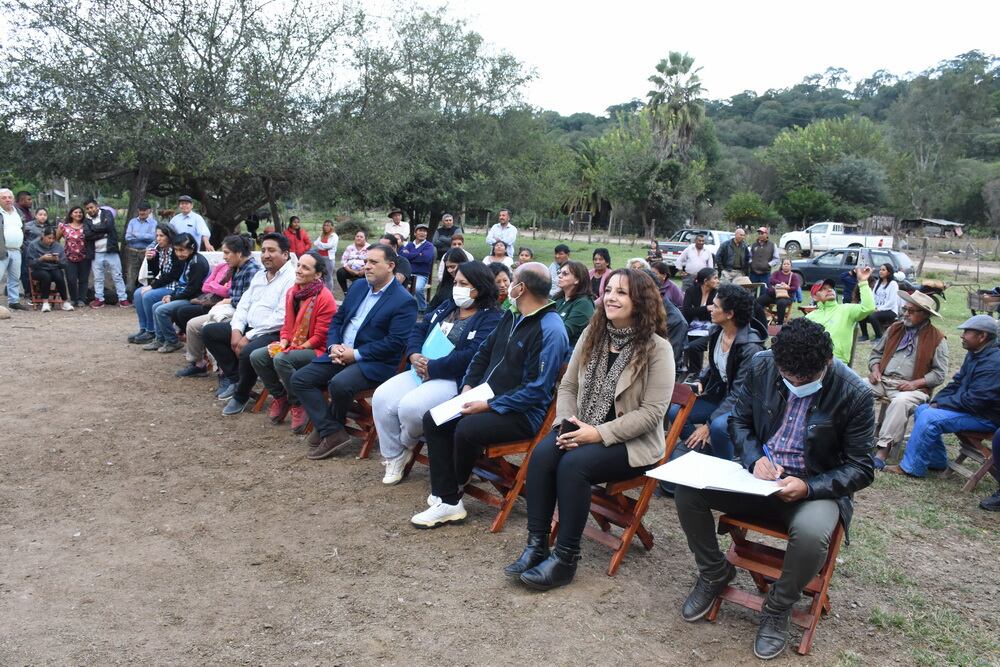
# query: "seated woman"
[[161, 274], [654, 254], [637, 263], [887, 303], [451, 260], [781, 287], [499, 255], [309, 307], [734, 338], [524, 255], [352, 261], [46, 260], [668, 288], [502, 278], [697, 300], [399, 404], [574, 303], [610, 407], [193, 269]]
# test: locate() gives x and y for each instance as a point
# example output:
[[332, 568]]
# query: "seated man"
[[839, 319], [815, 416], [520, 360], [971, 402], [904, 366], [255, 324], [364, 344]]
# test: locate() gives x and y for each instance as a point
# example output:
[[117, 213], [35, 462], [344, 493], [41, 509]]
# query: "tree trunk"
[[275, 214], [140, 183]]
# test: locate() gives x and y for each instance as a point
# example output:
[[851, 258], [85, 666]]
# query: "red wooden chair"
[[610, 506], [35, 297], [764, 564]]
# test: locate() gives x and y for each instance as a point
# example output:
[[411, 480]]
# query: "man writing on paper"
[[803, 418], [520, 361]]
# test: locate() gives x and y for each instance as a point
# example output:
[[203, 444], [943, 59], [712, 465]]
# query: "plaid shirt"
[[241, 280], [788, 442]]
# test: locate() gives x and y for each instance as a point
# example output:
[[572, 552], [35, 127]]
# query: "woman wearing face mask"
[[453, 259], [399, 404]]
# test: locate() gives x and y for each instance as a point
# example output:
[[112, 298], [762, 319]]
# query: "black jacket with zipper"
[[105, 227], [840, 428], [748, 342]]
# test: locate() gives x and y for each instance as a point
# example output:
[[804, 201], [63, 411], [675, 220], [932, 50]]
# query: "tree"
[[856, 180], [675, 104], [804, 205], [748, 208]]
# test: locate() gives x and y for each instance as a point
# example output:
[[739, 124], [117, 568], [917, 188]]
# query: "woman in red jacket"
[[298, 239], [309, 307]]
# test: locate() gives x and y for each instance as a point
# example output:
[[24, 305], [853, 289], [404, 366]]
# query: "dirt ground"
[[138, 526]]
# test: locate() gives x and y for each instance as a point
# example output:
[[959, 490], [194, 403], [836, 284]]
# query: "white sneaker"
[[46, 307], [67, 305], [394, 467], [433, 500], [439, 515]]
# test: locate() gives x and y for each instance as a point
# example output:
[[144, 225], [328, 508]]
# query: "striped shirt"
[[241, 280], [787, 445]]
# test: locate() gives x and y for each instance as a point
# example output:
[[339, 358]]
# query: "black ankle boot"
[[534, 553], [556, 570]]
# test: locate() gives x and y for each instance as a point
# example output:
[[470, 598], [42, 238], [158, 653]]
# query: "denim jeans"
[[721, 445], [12, 265], [112, 262], [925, 450], [162, 319], [144, 302], [399, 405], [419, 284]]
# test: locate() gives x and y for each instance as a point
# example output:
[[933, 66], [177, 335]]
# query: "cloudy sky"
[[589, 55]]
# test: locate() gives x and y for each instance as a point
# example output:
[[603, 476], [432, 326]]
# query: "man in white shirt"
[[255, 324], [11, 240], [503, 231], [693, 259], [192, 223], [397, 226]]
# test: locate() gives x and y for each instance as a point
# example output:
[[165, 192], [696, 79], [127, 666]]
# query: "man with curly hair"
[[815, 418]]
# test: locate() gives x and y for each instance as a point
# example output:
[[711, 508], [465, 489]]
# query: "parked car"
[[828, 235], [833, 263], [673, 248]]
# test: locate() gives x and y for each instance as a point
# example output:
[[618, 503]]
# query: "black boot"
[[772, 634], [534, 553], [556, 570]]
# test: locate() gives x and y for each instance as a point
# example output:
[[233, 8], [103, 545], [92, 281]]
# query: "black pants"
[[45, 278], [341, 382], [181, 316], [454, 446], [880, 321], [344, 279], [235, 369], [565, 477], [79, 279], [781, 305]]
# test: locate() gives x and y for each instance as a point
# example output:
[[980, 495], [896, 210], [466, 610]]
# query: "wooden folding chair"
[[259, 404], [764, 564], [35, 298], [973, 445], [610, 506]]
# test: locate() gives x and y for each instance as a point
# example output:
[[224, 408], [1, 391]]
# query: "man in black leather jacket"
[[816, 417]]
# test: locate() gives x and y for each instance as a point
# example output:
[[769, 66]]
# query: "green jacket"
[[839, 320], [575, 314]]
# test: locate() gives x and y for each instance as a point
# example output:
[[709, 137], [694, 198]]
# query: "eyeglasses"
[[565, 273], [911, 309]]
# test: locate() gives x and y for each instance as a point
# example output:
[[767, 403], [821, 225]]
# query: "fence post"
[[923, 256]]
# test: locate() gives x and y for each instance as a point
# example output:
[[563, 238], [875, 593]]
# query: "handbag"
[[207, 299]]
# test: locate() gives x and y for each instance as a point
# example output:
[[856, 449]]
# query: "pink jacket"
[[213, 284]]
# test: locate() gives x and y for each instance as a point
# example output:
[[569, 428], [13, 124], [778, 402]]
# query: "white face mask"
[[462, 296], [807, 389]]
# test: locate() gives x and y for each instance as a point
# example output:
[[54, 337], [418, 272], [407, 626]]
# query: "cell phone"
[[567, 427]]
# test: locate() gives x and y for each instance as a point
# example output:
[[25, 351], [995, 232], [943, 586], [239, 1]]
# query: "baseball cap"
[[761, 229], [185, 198], [820, 284]]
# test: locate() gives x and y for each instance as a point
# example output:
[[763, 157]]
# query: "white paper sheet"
[[701, 471], [452, 408]]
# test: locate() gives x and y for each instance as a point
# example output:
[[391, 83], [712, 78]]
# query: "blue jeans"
[[721, 445], [144, 303], [925, 448], [12, 265], [162, 322], [419, 283], [113, 263]]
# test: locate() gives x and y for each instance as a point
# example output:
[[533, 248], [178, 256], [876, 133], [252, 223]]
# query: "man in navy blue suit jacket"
[[364, 345]]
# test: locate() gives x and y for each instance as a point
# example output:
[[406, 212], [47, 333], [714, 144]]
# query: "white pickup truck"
[[826, 235]]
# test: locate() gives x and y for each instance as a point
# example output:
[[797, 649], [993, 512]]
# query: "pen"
[[767, 453]]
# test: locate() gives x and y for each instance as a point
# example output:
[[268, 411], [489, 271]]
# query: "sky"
[[590, 55]]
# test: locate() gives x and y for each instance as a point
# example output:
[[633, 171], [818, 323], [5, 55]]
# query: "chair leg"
[[511, 497], [259, 405], [978, 475], [369, 443], [413, 461]]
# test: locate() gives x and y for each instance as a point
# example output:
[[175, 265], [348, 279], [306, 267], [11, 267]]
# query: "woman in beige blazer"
[[610, 409]]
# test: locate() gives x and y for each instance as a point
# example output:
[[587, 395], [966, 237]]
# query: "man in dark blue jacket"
[[520, 361], [420, 253], [971, 402], [364, 346]]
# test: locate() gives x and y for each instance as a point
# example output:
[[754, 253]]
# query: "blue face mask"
[[804, 390]]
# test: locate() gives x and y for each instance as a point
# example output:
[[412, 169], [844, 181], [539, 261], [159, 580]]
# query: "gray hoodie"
[[36, 250]]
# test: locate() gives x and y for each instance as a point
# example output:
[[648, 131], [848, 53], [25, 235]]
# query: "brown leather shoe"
[[329, 445], [897, 470]]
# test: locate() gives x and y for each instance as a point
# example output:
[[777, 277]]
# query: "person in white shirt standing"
[[102, 248], [192, 223], [11, 240], [693, 259], [256, 323], [397, 226], [503, 231]]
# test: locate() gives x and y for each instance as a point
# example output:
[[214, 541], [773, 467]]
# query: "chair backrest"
[[684, 397]]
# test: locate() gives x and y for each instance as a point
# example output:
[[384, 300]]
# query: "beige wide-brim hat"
[[920, 300]]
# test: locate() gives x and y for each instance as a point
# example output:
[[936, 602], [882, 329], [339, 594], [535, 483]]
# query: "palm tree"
[[676, 104], [585, 195]]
